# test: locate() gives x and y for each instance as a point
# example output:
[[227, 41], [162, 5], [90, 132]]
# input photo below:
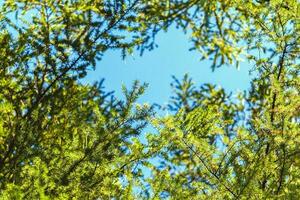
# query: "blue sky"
[[172, 57]]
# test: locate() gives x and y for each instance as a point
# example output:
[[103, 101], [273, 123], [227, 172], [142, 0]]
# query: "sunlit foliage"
[[62, 139]]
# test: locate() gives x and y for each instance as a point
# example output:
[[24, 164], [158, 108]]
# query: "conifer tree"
[[62, 139]]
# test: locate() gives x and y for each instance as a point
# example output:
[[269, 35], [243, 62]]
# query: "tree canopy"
[[62, 139]]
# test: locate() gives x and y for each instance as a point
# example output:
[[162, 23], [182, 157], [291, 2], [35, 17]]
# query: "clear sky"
[[172, 57]]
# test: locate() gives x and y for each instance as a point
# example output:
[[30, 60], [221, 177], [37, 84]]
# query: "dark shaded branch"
[[210, 170]]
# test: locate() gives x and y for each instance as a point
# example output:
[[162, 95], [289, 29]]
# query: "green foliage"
[[215, 150], [225, 31], [61, 139], [76, 144], [225, 147]]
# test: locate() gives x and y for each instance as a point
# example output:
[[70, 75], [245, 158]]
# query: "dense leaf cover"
[[62, 139]]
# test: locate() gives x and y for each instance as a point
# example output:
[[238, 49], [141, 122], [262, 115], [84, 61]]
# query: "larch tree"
[[243, 146], [62, 139]]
